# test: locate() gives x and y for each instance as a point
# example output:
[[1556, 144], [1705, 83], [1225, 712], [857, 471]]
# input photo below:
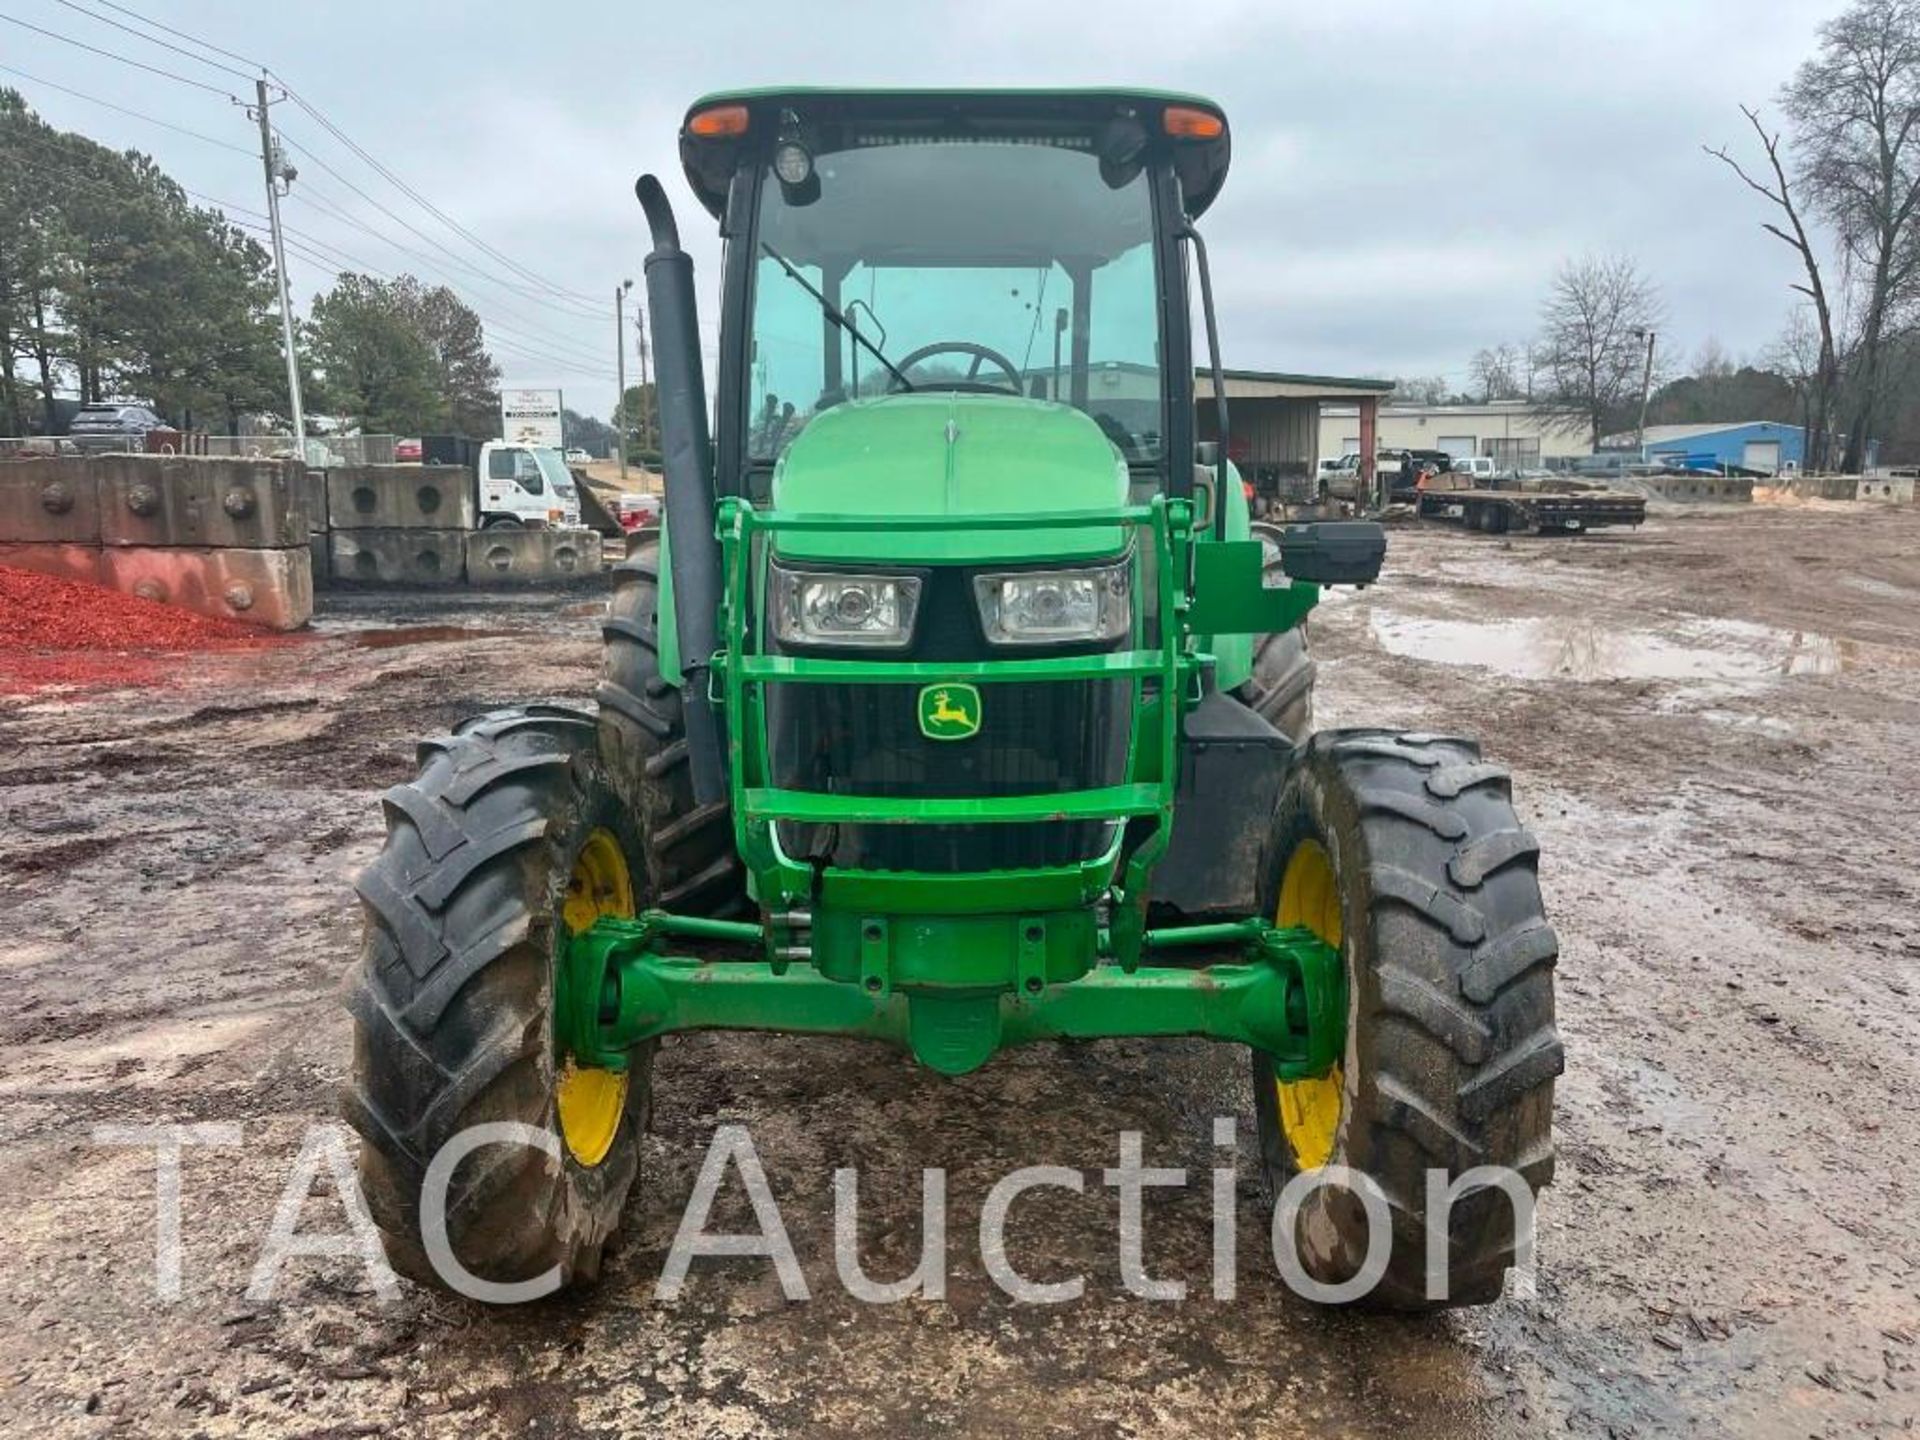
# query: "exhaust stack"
[[680, 391]]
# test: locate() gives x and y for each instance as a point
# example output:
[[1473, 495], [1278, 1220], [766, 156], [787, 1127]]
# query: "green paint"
[[1232, 654], [950, 456], [667, 627], [949, 711], [955, 995], [1162, 529], [955, 967], [1230, 596]]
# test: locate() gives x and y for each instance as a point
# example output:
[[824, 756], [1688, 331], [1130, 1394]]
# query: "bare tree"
[[1496, 373], [1594, 328], [1423, 390], [1711, 361], [1856, 108], [1823, 383], [1801, 355]]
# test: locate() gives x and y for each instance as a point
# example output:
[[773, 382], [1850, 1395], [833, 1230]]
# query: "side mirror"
[[1333, 552]]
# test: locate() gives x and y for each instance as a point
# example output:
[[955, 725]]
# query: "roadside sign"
[[532, 417]]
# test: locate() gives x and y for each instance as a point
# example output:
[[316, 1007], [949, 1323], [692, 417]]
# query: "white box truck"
[[526, 487]]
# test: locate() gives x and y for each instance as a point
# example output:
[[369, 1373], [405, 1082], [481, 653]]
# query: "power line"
[[545, 291], [308, 195], [136, 114], [420, 234], [414, 195], [310, 249], [124, 60], [151, 40], [561, 348], [190, 39], [552, 293]]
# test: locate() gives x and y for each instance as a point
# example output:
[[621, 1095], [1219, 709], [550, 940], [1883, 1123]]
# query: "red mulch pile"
[[56, 632]]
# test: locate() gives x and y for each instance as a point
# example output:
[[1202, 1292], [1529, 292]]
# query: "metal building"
[[1510, 432], [1274, 420], [1763, 445]]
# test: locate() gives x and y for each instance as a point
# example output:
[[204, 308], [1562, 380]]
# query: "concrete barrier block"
[[398, 557], [316, 485], [1891, 489], [401, 497], [1822, 487], [531, 557], [49, 498], [68, 561], [269, 588], [319, 560], [202, 501]]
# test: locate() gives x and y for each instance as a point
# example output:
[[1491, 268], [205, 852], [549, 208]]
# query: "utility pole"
[[620, 368], [1646, 387], [277, 170]]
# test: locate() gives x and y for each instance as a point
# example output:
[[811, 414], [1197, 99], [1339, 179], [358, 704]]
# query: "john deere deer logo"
[[949, 711]]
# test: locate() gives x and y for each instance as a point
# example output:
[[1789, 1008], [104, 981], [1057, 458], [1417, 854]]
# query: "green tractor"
[[958, 706]]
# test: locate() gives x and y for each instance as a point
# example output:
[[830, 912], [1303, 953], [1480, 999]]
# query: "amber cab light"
[[720, 121], [1183, 122]]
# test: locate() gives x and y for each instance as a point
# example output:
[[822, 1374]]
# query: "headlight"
[[870, 610], [1045, 607]]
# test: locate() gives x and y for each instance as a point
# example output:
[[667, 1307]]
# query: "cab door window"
[[518, 466]]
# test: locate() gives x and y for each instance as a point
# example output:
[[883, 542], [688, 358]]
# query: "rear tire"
[[692, 866], [453, 1000], [1451, 1048]]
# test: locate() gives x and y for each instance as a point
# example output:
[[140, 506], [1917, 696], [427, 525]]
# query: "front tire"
[[1404, 852], [511, 836], [691, 862]]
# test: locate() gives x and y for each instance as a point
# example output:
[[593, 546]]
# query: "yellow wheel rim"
[[590, 1101], [1310, 1109]]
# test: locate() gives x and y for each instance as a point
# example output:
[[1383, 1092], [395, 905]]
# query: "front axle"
[[1284, 994]]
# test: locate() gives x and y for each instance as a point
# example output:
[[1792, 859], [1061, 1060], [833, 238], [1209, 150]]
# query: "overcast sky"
[[1406, 175]]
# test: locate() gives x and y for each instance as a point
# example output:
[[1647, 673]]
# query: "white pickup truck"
[[526, 487]]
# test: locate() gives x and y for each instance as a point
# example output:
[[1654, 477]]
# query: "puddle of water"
[[389, 639], [1571, 648], [1879, 589]]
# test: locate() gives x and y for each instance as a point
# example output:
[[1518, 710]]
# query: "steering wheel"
[[971, 382]]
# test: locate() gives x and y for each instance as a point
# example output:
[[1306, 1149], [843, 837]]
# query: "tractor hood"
[[932, 453]]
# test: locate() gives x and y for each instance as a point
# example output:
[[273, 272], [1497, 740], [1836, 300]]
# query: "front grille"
[[865, 740], [1034, 738]]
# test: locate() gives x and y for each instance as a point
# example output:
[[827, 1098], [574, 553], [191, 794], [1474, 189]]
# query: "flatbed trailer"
[[1498, 512]]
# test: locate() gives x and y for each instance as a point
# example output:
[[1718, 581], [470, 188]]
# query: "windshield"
[[986, 266], [555, 469]]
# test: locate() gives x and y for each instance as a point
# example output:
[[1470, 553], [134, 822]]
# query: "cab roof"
[[710, 161]]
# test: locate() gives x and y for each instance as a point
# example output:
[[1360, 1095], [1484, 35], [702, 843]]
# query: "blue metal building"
[[1763, 445]]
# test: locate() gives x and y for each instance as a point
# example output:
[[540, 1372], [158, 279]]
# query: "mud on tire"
[[692, 867], [1451, 1049], [452, 998]]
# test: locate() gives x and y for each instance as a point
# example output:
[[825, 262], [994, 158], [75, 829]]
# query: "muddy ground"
[[1713, 724]]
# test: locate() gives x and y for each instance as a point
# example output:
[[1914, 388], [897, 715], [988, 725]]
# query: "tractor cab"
[[1009, 261]]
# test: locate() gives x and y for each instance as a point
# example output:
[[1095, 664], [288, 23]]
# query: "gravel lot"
[[1713, 724]]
